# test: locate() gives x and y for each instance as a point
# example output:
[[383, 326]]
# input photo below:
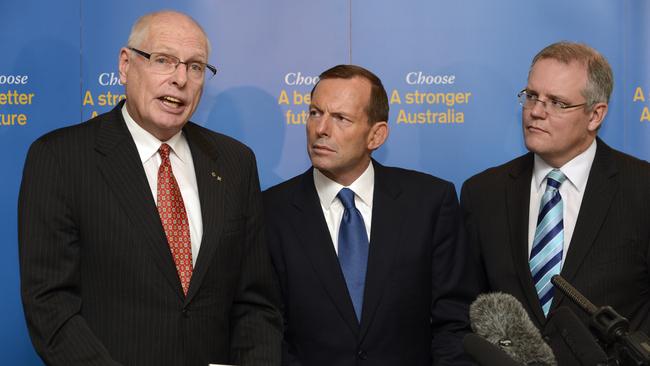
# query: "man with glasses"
[[141, 236], [571, 206]]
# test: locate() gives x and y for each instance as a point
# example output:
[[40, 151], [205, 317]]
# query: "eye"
[[197, 66], [557, 104], [531, 97], [314, 113], [342, 119], [162, 59], [338, 117]]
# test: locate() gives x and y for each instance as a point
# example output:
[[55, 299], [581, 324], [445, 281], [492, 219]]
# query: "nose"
[[179, 76], [538, 110], [323, 126]]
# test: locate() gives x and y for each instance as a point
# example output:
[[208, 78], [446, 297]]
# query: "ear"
[[597, 116], [123, 63], [377, 135]]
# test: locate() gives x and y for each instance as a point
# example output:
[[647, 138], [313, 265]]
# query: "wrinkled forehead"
[[557, 75], [173, 28]]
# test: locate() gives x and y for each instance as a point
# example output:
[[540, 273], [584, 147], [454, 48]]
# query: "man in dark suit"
[[593, 229], [141, 234], [370, 258]]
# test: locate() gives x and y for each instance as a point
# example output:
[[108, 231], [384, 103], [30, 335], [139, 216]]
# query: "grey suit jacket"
[[98, 282]]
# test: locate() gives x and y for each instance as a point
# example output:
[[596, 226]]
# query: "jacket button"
[[362, 355], [186, 313]]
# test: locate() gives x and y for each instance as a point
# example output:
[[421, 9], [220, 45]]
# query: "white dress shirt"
[[327, 189], [572, 190], [183, 168]]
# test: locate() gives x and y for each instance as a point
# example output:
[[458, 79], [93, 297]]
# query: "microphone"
[[571, 337], [485, 353], [610, 327], [501, 320]]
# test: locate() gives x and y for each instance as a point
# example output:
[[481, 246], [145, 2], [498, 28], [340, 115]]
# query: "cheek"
[[562, 129], [526, 116], [309, 131], [197, 94]]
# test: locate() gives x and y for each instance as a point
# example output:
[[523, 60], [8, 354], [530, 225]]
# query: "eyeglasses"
[[165, 64], [551, 106]]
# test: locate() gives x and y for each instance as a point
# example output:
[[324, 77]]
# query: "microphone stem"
[[570, 291]]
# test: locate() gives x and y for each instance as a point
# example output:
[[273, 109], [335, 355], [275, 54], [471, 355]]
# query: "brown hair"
[[377, 109]]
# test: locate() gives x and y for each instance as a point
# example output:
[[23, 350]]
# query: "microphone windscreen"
[[485, 353], [571, 336], [501, 319]]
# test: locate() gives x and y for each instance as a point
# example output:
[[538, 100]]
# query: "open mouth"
[[171, 101]]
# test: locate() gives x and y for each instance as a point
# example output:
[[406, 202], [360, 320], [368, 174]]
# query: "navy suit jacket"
[[609, 255], [415, 303]]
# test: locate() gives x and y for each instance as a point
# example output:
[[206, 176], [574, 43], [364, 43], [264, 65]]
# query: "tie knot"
[[164, 151], [555, 178], [346, 195]]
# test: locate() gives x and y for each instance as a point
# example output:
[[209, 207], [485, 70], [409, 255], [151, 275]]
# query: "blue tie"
[[546, 255], [353, 249]]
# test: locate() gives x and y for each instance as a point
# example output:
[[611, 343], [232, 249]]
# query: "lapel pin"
[[214, 175]]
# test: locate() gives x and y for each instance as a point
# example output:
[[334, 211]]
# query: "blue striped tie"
[[353, 249], [546, 255]]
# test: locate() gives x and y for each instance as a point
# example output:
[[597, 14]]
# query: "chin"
[[321, 165], [536, 149], [176, 122], [534, 143], [318, 164]]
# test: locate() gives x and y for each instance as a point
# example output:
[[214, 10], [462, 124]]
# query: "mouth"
[[533, 129], [319, 148], [171, 102]]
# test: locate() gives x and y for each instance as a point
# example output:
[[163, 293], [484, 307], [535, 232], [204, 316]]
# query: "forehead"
[[174, 33], [343, 93], [553, 77]]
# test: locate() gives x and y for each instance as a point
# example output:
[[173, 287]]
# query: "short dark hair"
[[377, 108]]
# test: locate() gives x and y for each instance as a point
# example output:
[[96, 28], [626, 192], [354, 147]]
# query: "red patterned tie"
[[174, 218]]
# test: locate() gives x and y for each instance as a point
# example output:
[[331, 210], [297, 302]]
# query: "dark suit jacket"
[[609, 255], [415, 306], [98, 281]]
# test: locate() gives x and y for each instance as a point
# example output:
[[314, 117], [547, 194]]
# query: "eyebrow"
[[195, 58], [559, 98]]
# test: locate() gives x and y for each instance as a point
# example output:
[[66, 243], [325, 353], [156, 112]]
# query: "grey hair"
[[140, 29], [600, 78]]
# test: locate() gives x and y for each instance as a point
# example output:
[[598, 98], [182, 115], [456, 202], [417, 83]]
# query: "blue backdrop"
[[59, 67]]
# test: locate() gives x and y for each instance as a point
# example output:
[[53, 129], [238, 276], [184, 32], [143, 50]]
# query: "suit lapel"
[[211, 197], [122, 169], [384, 235], [517, 203], [311, 228], [599, 194]]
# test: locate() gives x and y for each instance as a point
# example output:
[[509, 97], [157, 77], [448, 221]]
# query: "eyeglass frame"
[[557, 107], [186, 63]]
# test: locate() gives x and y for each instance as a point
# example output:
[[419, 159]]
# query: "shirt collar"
[[576, 170], [363, 187], [148, 145]]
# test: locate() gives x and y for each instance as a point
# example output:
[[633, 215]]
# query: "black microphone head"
[[501, 319], [572, 339], [486, 353]]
